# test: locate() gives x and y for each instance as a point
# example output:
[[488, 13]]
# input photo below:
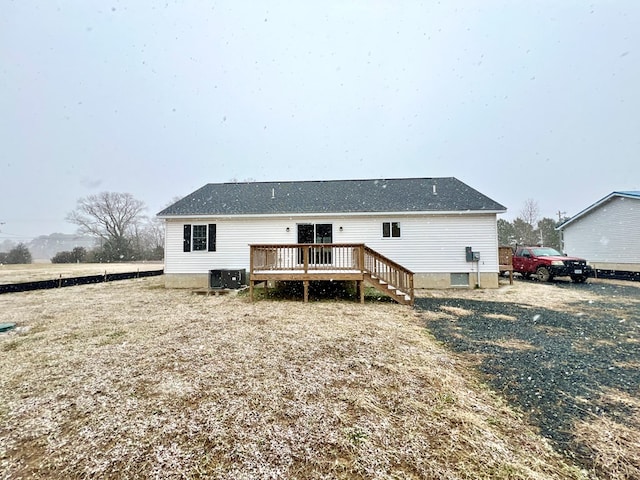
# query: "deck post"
[[251, 253], [361, 289], [306, 290], [412, 293]]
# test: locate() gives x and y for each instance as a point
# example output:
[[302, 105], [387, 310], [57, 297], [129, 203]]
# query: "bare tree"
[[530, 212], [112, 217], [150, 239]]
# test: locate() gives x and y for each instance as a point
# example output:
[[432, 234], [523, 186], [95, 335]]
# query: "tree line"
[[529, 229], [117, 221], [17, 255], [125, 234]]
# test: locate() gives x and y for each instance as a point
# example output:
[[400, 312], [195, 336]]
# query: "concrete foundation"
[[434, 281], [441, 281], [186, 280]]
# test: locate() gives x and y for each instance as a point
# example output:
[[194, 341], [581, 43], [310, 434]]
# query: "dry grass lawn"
[[129, 380]]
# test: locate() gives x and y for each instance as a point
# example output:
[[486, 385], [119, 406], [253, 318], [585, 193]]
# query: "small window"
[[199, 238], [390, 229], [459, 279]]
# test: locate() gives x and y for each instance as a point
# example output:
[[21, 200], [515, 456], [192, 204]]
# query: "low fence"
[[617, 275], [73, 281]]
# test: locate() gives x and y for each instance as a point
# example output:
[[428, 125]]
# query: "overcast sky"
[[519, 99]]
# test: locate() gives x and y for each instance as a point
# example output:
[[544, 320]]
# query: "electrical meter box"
[[471, 255]]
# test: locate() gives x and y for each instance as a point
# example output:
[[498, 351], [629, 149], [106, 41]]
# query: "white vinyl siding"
[[233, 237], [429, 243], [607, 234]]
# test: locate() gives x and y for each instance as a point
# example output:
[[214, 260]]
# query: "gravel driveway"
[[573, 361]]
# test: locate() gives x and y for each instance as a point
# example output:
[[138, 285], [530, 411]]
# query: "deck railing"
[[351, 258], [307, 257], [379, 266]]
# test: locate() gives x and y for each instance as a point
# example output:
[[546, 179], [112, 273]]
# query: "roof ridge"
[[247, 182]]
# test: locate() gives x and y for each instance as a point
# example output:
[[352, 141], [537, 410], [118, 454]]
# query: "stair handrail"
[[398, 276]]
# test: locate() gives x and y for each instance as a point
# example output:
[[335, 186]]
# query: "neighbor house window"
[[390, 229], [199, 238]]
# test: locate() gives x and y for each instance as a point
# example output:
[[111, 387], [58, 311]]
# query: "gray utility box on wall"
[[233, 279], [471, 255]]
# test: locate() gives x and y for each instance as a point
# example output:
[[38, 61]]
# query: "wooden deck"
[[505, 259], [330, 261]]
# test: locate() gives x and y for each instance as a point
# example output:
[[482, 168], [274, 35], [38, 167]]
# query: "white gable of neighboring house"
[[607, 234]]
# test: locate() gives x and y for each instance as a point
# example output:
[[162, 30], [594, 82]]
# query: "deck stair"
[[388, 277], [382, 286]]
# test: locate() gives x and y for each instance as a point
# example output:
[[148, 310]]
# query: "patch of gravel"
[[567, 355]]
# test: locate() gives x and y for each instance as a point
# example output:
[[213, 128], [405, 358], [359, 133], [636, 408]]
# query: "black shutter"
[[212, 238], [186, 242]]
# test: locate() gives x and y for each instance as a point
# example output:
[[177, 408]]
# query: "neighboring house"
[[606, 233], [422, 224]]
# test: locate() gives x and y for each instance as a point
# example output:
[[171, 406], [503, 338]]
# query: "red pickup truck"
[[546, 263]]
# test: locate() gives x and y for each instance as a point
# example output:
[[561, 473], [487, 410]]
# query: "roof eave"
[[324, 214]]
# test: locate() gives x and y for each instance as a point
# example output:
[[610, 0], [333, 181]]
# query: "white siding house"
[[422, 224], [606, 233]]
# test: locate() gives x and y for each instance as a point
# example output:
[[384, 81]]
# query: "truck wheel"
[[543, 274]]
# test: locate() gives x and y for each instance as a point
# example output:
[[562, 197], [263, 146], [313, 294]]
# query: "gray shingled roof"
[[333, 196]]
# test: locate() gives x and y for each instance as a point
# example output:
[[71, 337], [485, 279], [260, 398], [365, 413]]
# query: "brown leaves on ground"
[[130, 380]]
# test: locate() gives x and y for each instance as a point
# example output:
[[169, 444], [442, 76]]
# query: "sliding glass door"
[[316, 233]]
